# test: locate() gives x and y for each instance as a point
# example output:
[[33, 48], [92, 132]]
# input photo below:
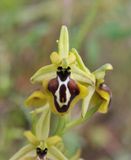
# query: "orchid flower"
[[67, 80], [40, 145], [64, 81]]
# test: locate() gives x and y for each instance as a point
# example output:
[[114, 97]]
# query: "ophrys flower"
[[64, 81], [40, 145]]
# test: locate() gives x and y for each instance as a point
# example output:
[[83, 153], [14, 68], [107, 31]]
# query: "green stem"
[[62, 121]]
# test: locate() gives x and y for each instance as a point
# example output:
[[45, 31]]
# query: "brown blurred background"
[[101, 31]]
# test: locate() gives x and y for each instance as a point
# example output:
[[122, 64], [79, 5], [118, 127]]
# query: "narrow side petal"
[[55, 154], [86, 100], [31, 138], [55, 58], [53, 140], [80, 62]]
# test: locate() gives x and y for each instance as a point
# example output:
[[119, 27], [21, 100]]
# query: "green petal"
[[31, 138], [80, 62], [100, 72], [55, 58], [55, 154], [53, 140], [46, 72], [43, 124], [63, 43], [86, 100], [81, 76], [71, 58], [22, 152]]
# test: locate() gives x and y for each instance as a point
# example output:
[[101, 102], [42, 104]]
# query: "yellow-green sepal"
[[55, 58], [100, 72], [43, 124], [51, 141], [31, 138], [36, 99], [55, 154], [87, 99], [81, 76], [80, 62], [46, 72], [63, 42]]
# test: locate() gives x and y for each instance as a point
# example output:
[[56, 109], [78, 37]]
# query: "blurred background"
[[101, 32]]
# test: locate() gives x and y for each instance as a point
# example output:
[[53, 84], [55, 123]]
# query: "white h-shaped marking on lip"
[[57, 93]]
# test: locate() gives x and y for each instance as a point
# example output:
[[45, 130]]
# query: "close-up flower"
[[102, 92], [64, 82], [98, 94], [40, 145], [67, 80]]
